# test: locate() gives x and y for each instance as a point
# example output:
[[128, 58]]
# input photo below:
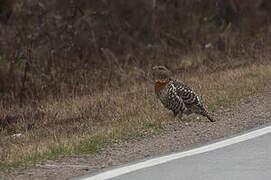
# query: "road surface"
[[243, 157]]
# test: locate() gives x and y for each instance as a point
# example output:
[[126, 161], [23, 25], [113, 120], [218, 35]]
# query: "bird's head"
[[161, 73]]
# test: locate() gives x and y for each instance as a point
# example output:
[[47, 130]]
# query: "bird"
[[176, 96]]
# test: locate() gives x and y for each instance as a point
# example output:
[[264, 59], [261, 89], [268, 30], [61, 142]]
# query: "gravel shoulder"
[[176, 136]]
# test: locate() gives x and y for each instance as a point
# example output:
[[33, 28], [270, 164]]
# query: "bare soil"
[[176, 136]]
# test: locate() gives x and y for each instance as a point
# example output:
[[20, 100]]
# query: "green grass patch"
[[85, 146], [90, 145]]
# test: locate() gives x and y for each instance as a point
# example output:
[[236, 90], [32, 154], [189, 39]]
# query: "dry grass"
[[86, 124]]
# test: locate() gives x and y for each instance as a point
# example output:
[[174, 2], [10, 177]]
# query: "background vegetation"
[[75, 73]]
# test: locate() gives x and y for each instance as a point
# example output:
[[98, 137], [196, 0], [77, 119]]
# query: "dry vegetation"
[[76, 76], [86, 124]]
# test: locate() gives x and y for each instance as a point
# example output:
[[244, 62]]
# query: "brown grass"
[[84, 124]]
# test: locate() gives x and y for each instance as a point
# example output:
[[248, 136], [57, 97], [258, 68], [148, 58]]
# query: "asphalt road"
[[245, 157]]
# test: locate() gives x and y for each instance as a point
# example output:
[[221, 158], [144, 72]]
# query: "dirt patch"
[[176, 136]]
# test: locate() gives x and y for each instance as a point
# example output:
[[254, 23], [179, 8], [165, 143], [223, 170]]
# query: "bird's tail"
[[207, 114]]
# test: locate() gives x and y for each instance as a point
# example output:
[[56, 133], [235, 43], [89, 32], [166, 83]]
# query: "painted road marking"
[[160, 160]]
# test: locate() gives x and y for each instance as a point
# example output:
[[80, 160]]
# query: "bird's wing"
[[191, 100], [175, 102], [189, 97]]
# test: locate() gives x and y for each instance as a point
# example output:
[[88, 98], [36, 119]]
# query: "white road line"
[[152, 162]]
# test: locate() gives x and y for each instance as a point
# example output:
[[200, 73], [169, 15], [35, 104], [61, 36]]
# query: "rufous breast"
[[160, 84]]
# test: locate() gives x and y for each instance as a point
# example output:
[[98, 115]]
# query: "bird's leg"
[[187, 111], [175, 113], [178, 113], [180, 116]]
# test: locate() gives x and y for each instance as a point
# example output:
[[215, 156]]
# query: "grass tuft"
[[87, 124], [90, 145]]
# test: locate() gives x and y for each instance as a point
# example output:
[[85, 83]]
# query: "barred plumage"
[[167, 93], [177, 96]]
